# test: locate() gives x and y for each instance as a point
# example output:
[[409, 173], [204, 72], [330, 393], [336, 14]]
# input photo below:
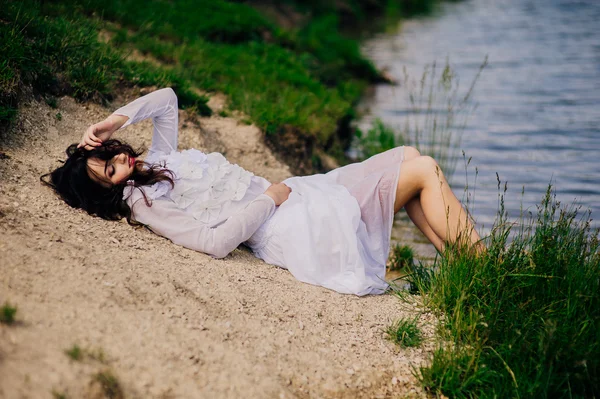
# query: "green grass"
[[78, 353], [379, 138], [58, 395], [75, 353], [307, 78], [402, 257], [110, 385], [97, 355], [405, 333], [214, 20], [522, 319], [419, 278], [304, 79], [7, 313], [58, 53]]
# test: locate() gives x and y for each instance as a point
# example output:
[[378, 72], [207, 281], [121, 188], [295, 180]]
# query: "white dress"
[[333, 230]]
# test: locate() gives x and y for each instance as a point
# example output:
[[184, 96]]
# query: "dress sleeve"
[[161, 106], [165, 219]]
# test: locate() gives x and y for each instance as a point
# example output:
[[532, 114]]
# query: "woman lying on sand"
[[328, 229]]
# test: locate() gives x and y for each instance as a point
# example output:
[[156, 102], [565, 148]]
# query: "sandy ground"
[[166, 321]]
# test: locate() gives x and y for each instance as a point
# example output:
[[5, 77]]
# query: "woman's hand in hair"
[[101, 131], [279, 192]]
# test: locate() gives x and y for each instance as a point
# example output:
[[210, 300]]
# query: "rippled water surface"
[[538, 101]]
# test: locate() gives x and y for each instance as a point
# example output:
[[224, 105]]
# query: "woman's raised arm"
[[160, 105]]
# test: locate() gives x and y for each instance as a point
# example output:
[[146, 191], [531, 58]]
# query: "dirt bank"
[[166, 321]]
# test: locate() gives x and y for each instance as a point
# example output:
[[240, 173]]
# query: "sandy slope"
[[170, 322]]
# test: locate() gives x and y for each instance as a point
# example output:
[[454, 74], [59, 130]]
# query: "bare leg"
[[415, 213], [421, 178]]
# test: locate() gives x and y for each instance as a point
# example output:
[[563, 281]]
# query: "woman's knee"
[[419, 172], [431, 171], [425, 169], [410, 153], [429, 164]]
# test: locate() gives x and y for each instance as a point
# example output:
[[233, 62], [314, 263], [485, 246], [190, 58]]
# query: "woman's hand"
[[279, 192], [101, 131]]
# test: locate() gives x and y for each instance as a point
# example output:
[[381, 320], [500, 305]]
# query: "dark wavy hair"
[[72, 181]]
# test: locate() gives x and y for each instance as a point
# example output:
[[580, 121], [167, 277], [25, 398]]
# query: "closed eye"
[[109, 170]]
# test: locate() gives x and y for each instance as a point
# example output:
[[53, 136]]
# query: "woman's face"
[[117, 170]]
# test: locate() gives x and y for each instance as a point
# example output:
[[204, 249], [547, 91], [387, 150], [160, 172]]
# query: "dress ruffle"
[[203, 182]]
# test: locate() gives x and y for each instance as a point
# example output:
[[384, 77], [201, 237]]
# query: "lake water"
[[538, 101]]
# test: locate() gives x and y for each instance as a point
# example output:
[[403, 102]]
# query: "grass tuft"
[[379, 138], [58, 395], [403, 256], [109, 384], [405, 333], [97, 355], [52, 102], [75, 352], [521, 319], [419, 278], [7, 313], [78, 353], [438, 112]]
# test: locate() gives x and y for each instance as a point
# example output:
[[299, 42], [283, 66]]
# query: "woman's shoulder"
[[132, 194]]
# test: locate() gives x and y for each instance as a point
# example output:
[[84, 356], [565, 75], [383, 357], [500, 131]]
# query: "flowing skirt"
[[334, 229]]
